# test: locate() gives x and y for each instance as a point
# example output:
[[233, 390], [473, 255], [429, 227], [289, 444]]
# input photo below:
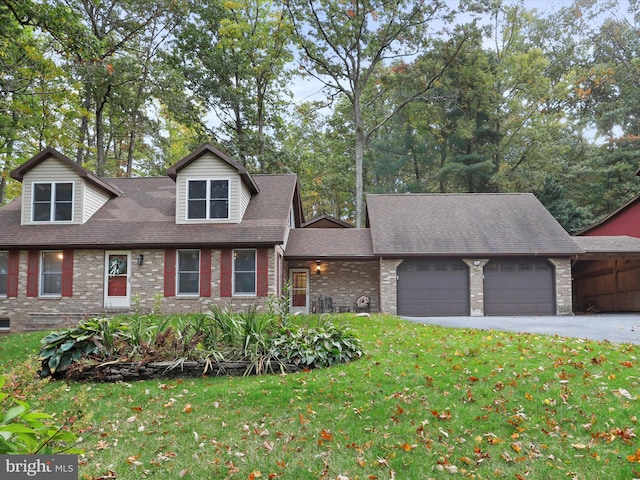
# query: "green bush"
[[25, 432], [323, 346]]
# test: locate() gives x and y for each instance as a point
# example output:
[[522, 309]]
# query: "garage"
[[430, 287], [519, 286]]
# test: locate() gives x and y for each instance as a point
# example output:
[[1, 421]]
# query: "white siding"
[[92, 200], [51, 170], [245, 198], [210, 167]]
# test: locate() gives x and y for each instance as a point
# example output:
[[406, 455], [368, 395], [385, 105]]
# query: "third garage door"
[[519, 286], [429, 287]]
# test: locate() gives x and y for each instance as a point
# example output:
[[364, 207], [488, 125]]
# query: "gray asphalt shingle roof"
[[465, 224], [608, 244], [329, 243], [144, 215]]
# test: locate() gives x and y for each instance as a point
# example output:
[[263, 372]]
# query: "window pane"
[[63, 211], [64, 192], [245, 260], [245, 283], [42, 212], [244, 267], [4, 263], [42, 192], [188, 283], [5, 324], [219, 189], [189, 261], [4, 272], [197, 189], [197, 209], [219, 209], [51, 273]]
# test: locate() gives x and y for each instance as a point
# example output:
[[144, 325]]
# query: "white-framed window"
[[188, 272], [208, 199], [51, 274], [52, 202], [5, 324], [244, 272], [4, 273]]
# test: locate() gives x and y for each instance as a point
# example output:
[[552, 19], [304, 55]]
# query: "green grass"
[[423, 402]]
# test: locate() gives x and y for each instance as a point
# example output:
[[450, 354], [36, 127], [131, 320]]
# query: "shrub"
[[323, 346], [25, 432]]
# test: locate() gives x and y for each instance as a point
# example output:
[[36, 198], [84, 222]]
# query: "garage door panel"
[[522, 286], [433, 287]]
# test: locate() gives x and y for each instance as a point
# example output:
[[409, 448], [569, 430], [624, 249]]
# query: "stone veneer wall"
[[476, 285], [343, 281], [389, 285], [147, 293], [564, 291]]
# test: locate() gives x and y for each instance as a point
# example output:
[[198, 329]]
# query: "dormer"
[[211, 187], [56, 190]]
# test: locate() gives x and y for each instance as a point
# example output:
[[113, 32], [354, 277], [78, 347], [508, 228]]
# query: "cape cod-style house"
[[75, 245]]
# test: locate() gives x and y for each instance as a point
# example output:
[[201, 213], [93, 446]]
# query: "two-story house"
[[74, 245]]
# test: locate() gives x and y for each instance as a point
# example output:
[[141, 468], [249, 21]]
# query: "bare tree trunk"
[[84, 130], [359, 130]]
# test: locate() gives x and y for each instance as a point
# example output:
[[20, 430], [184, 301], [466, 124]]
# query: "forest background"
[[354, 96]]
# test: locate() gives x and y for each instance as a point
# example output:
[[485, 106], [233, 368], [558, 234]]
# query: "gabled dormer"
[[211, 187], [56, 190]]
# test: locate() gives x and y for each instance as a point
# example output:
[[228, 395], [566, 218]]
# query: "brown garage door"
[[522, 286], [433, 287]]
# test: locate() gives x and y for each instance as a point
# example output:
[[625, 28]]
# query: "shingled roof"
[[465, 225], [609, 244], [144, 215], [346, 243]]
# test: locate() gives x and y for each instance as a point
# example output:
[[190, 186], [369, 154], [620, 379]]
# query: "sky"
[[306, 90]]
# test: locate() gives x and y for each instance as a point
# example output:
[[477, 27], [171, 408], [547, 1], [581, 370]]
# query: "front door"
[[117, 267], [299, 279]]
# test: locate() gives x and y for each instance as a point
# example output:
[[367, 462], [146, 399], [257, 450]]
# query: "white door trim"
[[114, 270], [299, 309]]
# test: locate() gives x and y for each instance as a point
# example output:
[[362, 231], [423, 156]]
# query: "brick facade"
[[147, 293], [564, 287], [476, 285], [389, 285], [343, 281]]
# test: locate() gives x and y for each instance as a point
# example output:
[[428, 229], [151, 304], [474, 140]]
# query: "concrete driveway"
[[618, 328]]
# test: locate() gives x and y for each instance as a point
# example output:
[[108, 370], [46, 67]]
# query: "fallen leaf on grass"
[[635, 458], [623, 393]]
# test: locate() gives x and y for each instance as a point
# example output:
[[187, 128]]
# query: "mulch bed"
[[118, 371]]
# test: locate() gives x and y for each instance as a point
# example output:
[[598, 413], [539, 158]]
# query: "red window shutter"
[[14, 268], [169, 272], [67, 273], [205, 273], [226, 272], [262, 289], [33, 263]]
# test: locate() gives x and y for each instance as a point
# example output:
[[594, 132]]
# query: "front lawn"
[[423, 402]]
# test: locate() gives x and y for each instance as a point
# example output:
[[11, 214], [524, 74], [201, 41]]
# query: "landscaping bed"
[[218, 343]]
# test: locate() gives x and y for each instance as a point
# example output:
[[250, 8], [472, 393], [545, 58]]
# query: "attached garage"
[[519, 286], [430, 287]]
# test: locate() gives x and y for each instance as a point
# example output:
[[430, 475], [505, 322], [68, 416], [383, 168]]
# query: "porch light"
[[140, 259], [318, 267]]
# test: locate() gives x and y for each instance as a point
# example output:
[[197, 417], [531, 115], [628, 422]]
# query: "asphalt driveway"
[[618, 328]]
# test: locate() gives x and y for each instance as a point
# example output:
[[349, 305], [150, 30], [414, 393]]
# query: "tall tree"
[[344, 44], [233, 57]]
